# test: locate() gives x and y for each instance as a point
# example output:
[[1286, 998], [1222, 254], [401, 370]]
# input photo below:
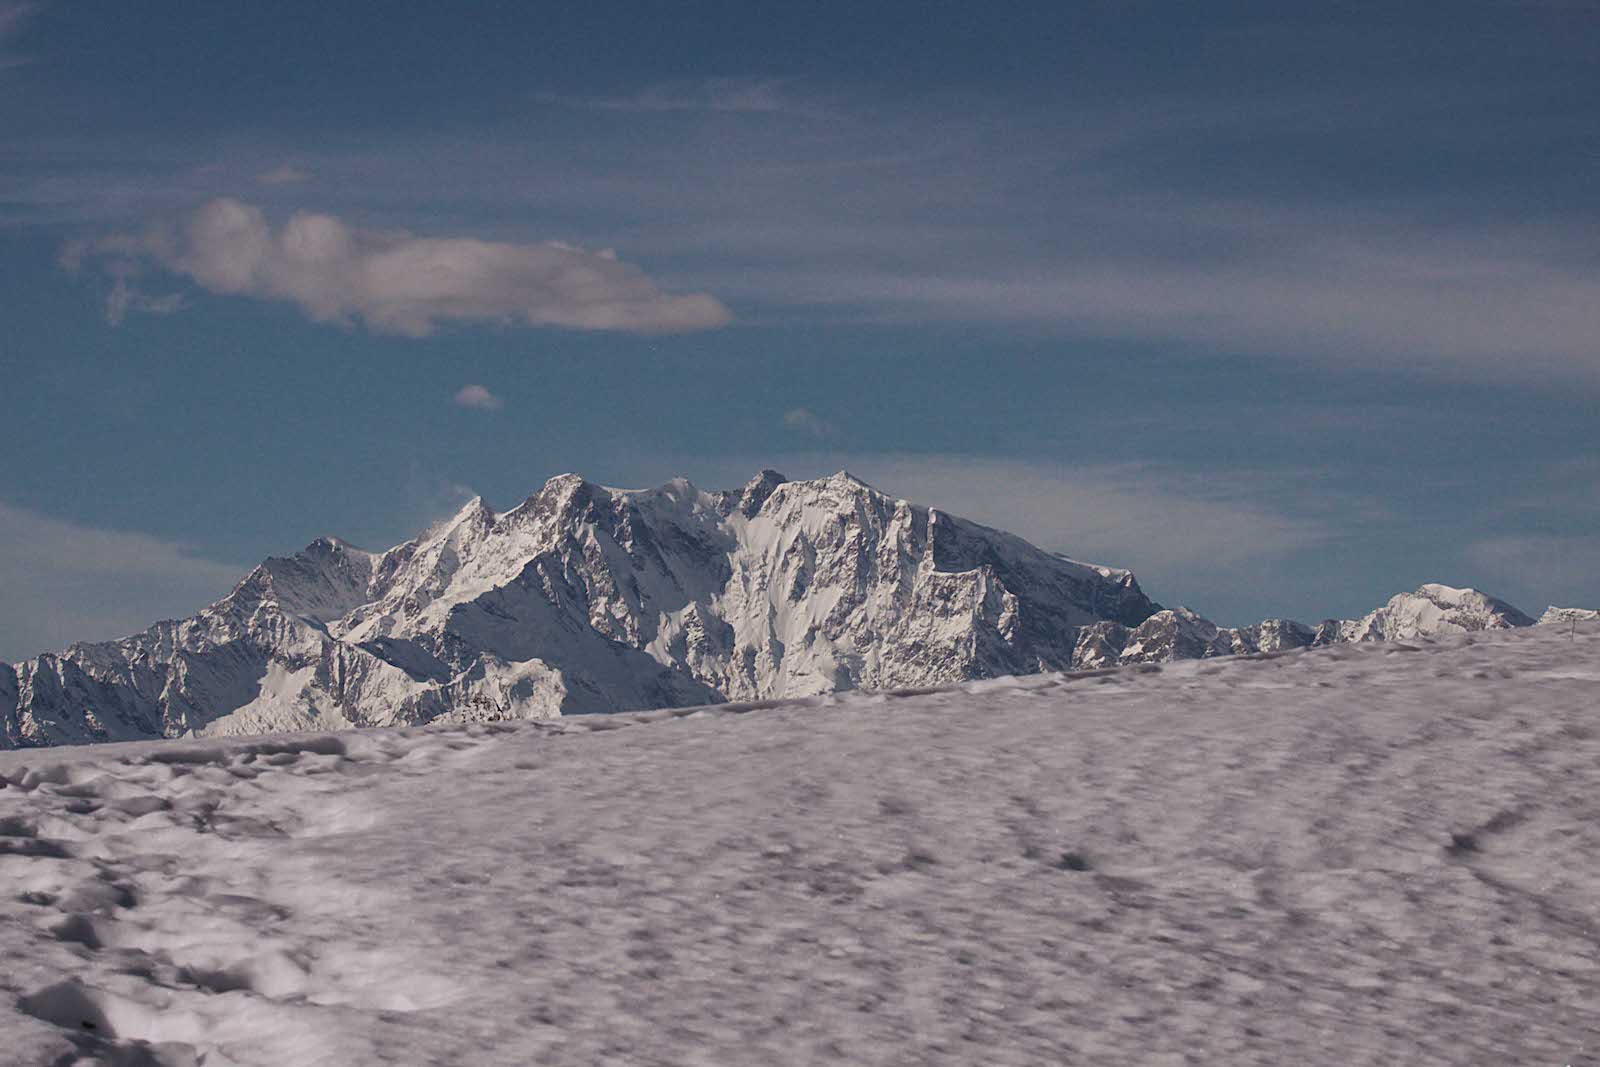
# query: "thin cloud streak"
[[726, 95], [1420, 311], [282, 175], [807, 421]]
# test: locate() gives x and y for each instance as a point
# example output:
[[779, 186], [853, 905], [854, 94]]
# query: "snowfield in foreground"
[[1364, 854]]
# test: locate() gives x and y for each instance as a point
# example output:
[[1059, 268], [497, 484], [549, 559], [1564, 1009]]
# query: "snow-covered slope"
[[1367, 854], [581, 599]]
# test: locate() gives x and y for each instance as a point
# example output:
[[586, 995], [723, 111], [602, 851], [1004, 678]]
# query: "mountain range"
[[590, 599]]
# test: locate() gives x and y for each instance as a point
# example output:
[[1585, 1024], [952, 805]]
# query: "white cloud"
[[805, 419], [282, 175], [66, 582], [398, 282], [476, 396]]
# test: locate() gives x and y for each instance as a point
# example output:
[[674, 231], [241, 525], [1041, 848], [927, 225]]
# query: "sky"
[[1286, 307]]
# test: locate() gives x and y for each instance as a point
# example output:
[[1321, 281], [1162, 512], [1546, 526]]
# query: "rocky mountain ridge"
[[583, 599], [590, 599], [1179, 633]]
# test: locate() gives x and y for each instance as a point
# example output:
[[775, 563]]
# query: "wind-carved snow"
[[1370, 853]]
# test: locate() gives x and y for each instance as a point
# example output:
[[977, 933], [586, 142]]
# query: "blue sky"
[[1286, 307]]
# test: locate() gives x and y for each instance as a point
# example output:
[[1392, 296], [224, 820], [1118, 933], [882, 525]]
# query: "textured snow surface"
[[1377, 853]]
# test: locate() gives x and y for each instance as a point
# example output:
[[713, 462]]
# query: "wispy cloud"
[[284, 174], [1093, 221], [1060, 221], [807, 421], [398, 282], [67, 582], [478, 397], [728, 95], [1416, 300], [125, 297]]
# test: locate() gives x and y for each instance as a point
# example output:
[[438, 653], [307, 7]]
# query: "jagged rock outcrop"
[[584, 598]]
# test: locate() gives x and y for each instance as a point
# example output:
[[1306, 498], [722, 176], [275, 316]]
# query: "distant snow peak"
[[1181, 634], [1435, 609], [1564, 616]]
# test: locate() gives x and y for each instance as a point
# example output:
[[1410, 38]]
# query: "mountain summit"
[[583, 599]]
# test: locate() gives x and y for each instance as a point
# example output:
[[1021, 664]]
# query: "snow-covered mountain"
[[1434, 609], [589, 599], [1179, 633], [583, 599]]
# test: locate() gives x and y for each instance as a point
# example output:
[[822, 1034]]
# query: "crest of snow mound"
[[586, 598]]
